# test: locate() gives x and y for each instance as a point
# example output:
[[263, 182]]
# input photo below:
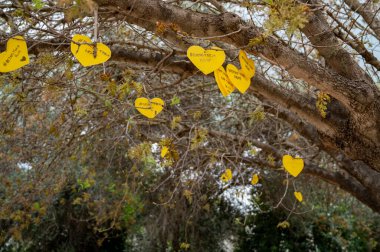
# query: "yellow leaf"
[[206, 207], [284, 224], [188, 195], [86, 197], [298, 196], [176, 120], [255, 179], [226, 176], [322, 103], [77, 201], [185, 246]]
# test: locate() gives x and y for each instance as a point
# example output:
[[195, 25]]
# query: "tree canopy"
[[78, 153]]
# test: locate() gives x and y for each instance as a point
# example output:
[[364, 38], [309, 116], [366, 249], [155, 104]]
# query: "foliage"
[[322, 102], [330, 226]]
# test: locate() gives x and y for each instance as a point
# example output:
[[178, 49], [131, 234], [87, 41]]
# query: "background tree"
[[75, 151]]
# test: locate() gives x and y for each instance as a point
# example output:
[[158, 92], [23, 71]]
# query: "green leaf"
[[108, 104], [38, 4], [175, 100], [36, 206]]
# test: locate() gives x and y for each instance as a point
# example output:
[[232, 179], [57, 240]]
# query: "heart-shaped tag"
[[247, 65], [298, 196], [224, 83], [149, 108], [207, 61], [293, 165], [87, 53], [238, 78], [164, 151], [255, 179], [15, 56]]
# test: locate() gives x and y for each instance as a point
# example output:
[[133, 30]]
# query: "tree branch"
[[320, 35], [370, 13], [359, 97]]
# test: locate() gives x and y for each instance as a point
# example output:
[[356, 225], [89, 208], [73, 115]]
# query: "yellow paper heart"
[[149, 108], [255, 179], [164, 151], [293, 165], [207, 61], [226, 176], [15, 56], [247, 65], [224, 83], [238, 78], [87, 53], [298, 196]]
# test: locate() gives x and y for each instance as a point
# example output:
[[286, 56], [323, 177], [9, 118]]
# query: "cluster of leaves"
[[77, 8], [285, 15], [336, 223], [322, 102]]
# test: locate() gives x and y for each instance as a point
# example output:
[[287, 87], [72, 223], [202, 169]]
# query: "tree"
[[349, 133], [315, 94]]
